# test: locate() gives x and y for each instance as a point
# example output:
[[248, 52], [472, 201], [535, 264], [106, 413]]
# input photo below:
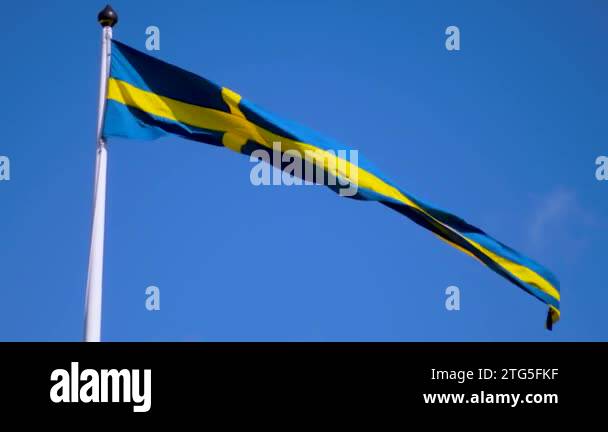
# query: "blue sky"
[[504, 133]]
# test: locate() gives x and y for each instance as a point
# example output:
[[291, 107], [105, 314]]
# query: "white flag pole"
[[92, 320]]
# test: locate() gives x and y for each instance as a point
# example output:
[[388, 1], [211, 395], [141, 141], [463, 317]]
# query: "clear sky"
[[503, 133]]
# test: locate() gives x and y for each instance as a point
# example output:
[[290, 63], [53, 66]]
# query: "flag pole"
[[107, 18]]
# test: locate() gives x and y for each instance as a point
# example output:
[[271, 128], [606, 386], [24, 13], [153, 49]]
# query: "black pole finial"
[[107, 17]]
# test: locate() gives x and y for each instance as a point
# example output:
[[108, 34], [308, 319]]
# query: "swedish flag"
[[148, 98]]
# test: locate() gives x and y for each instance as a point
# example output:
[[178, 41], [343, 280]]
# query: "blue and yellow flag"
[[148, 98]]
